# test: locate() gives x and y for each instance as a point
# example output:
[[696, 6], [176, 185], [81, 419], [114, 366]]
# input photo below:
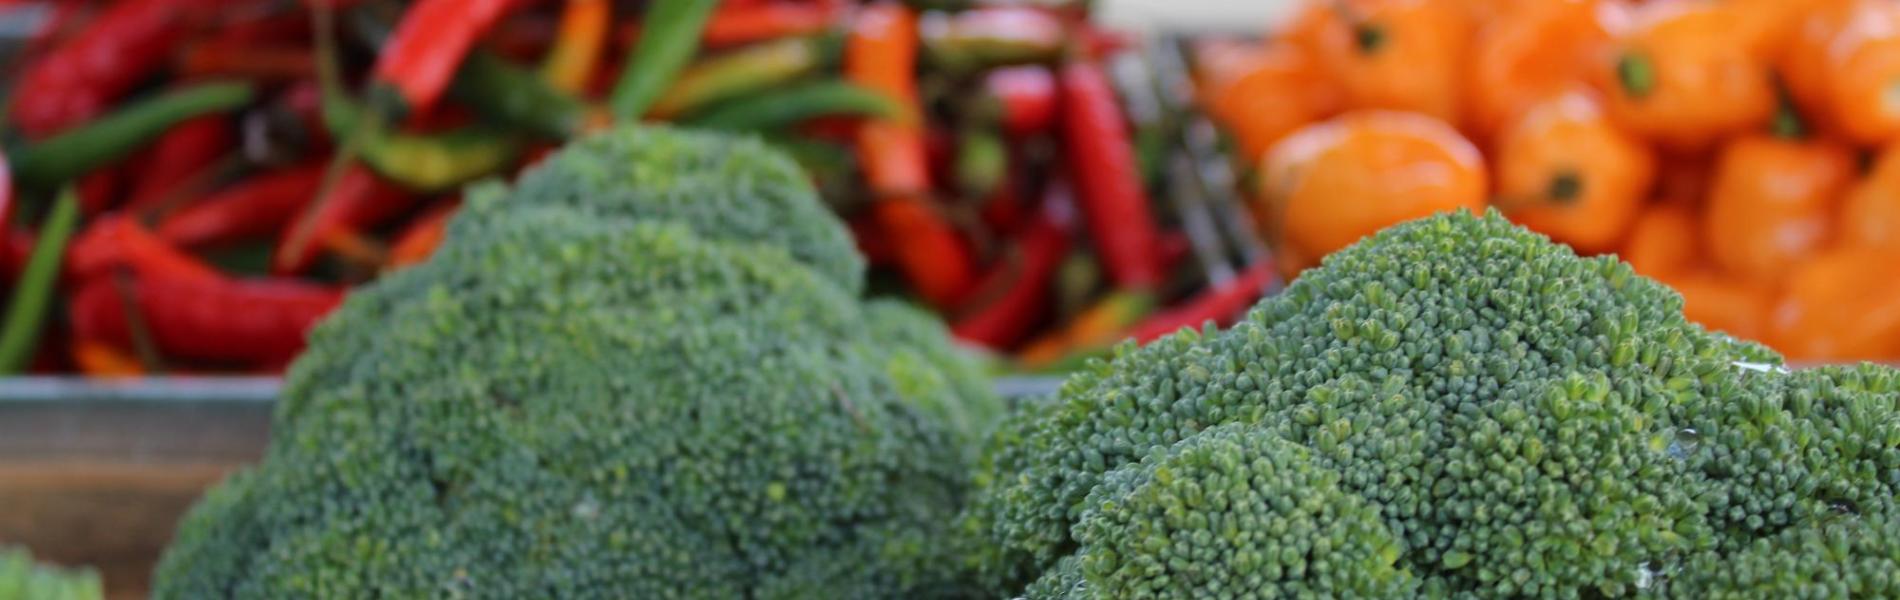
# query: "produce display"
[[23, 579], [609, 395], [1742, 152], [195, 183]]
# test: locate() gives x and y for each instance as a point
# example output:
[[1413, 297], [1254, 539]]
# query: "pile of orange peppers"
[[1745, 152]]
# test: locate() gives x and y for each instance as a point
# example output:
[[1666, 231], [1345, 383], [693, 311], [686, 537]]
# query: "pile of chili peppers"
[[189, 185]]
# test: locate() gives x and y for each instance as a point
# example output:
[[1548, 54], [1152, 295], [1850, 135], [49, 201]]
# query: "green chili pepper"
[[791, 105], [26, 314], [67, 156], [744, 72], [423, 162], [516, 97], [668, 38]]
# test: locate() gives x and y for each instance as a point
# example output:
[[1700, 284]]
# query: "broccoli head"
[[565, 406], [23, 579], [1522, 421], [721, 187]]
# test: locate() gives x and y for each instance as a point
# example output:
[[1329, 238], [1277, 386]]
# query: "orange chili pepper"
[[1689, 72], [1772, 202], [578, 42], [1839, 305], [419, 241], [1663, 242], [1863, 74], [1870, 214], [99, 359], [881, 54], [1802, 63], [1566, 171], [1725, 304], [1333, 182], [1398, 54], [1538, 51], [1283, 90]]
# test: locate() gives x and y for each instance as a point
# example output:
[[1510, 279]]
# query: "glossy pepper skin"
[[244, 322], [1870, 213], [1688, 73], [1530, 55], [255, 208], [1773, 201], [177, 158], [881, 54], [1397, 54], [81, 78], [416, 64], [1564, 170], [1334, 182], [1017, 288], [1109, 190]]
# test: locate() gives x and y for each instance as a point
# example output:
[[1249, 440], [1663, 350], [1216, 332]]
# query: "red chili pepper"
[[358, 201], [99, 191], [245, 60], [13, 256], [871, 241], [176, 158], [1024, 98], [420, 240], [252, 209], [1108, 179], [1221, 305], [419, 59], [81, 77], [735, 24], [226, 321], [928, 249], [120, 241], [1020, 286], [881, 55]]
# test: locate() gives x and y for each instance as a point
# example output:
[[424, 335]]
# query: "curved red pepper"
[[252, 209], [1021, 286], [358, 201], [248, 322], [176, 158], [420, 58], [932, 254], [80, 78], [1221, 305], [119, 241], [1108, 178]]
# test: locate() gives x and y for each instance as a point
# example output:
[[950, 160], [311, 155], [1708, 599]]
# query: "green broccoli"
[[1522, 421], [1843, 557], [23, 579], [930, 371], [564, 405], [724, 188]]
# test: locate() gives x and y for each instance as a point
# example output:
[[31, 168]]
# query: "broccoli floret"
[[1229, 511], [930, 370], [582, 408], [723, 188], [1845, 557], [23, 579], [1524, 422]]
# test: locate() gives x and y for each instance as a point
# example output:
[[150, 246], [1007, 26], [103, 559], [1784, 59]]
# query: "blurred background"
[[189, 185]]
